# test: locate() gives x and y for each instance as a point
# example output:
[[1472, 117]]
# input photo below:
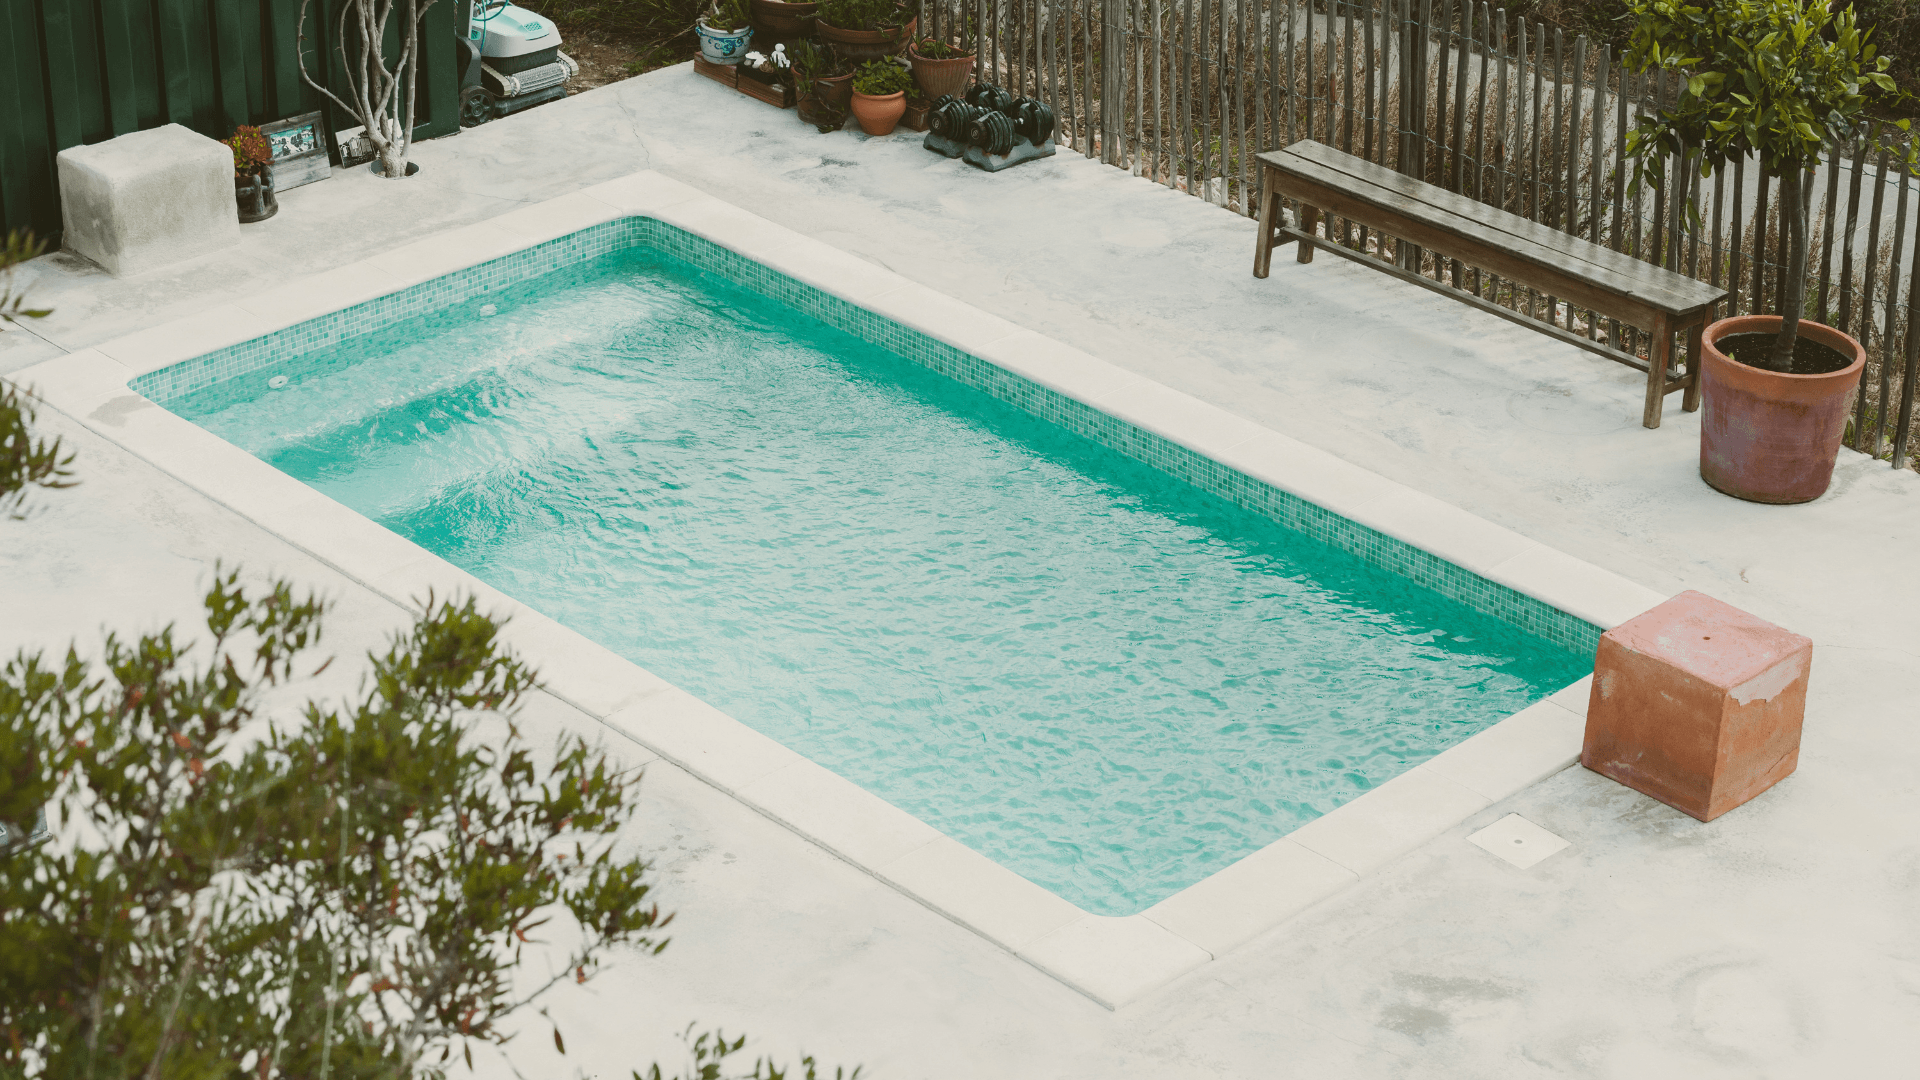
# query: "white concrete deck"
[[1776, 941]]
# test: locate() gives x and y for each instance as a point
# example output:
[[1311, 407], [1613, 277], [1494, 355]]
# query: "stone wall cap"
[[136, 150]]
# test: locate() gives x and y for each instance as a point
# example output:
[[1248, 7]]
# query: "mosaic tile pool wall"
[[1288, 510]]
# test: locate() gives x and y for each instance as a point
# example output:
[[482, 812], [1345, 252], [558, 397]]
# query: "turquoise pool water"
[[1105, 679]]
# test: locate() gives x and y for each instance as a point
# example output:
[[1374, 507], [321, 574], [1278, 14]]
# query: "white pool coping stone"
[[1111, 960]]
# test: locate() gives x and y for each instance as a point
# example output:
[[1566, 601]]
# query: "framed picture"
[[299, 150], [355, 148]]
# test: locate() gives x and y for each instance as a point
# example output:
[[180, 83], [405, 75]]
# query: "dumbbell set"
[[990, 127]]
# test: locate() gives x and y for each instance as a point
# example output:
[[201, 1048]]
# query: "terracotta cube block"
[[1697, 704]]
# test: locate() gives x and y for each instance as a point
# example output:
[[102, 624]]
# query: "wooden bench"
[[1470, 232]]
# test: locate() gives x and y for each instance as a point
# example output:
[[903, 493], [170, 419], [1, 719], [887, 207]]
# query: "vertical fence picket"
[[1904, 428], [1868, 280], [1759, 297], [1826, 237], [1887, 338], [1847, 234]]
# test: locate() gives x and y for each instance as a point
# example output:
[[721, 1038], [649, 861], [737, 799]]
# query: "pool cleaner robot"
[[512, 62]]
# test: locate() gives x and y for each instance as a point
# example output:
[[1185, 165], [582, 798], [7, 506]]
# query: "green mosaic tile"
[[1284, 508]]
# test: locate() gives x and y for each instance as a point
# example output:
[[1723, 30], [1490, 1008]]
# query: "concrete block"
[[147, 199], [1697, 704]]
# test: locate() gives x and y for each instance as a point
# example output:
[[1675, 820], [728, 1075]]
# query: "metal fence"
[[1185, 92], [74, 72]]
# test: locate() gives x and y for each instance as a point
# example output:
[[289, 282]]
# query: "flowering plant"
[[251, 151]]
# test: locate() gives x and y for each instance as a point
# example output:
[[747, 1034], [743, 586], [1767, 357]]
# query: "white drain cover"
[[1518, 841]]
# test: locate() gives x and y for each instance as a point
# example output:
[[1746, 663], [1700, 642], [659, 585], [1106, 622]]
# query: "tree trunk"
[[1793, 215], [393, 161]]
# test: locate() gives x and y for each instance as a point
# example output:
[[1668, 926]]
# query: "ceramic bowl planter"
[[938, 78], [254, 195], [863, 45], [1767, 436], [878, 114], [722, 46]]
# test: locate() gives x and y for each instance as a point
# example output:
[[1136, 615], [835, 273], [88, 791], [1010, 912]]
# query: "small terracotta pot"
[[863, 45], [878, 114], [784, 22], [1766, 436], [938, 77], [835, 92]]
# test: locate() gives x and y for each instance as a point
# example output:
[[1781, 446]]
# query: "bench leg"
[[1659, 356], [1696, 363], [1270, 215], [1309, 219]]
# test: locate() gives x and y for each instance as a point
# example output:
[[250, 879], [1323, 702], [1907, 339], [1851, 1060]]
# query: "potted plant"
[[782, 21], [724, 32], [940, 68], [252, 174], [1776, 81], [880, 95], [812, 66], [865, 29]]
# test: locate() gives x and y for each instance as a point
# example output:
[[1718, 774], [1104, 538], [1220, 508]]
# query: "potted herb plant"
[[724, 32], [252, 174], [812, 67], [1777, 81], [865, 29], [940, 67], [880, 95]]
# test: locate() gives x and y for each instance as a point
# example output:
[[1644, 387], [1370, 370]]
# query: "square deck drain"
[[1518, 841]]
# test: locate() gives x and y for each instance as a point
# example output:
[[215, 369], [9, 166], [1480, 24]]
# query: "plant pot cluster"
[[844, 57]]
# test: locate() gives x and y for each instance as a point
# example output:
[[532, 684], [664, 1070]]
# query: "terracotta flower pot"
[[937, 77], [835, 92], [863, 45], [1766, 436], [821, 115], [879, 113], [784, 22]]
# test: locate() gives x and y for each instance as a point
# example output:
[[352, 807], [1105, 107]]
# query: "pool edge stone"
[[1293, 483]]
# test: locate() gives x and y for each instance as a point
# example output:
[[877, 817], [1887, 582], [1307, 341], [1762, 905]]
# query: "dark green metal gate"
[[83, 71]]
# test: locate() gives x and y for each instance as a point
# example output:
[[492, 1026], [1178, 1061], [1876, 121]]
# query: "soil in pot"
[[1810, 357]]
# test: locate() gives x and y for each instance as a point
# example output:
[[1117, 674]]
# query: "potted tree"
[[941, 68], [252, 174], [865, 29], [724, 32], [1776, 81], [880, 95]]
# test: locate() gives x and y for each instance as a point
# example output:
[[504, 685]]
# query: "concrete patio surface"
[[1779, 940]]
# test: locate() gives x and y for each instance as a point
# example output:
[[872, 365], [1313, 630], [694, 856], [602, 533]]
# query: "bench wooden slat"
[[1650, 285], [1488, 219], [1465, 230]]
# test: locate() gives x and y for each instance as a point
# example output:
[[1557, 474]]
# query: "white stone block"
[[148, 199]]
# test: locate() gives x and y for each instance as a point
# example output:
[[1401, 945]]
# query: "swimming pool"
[[1106, 678]]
